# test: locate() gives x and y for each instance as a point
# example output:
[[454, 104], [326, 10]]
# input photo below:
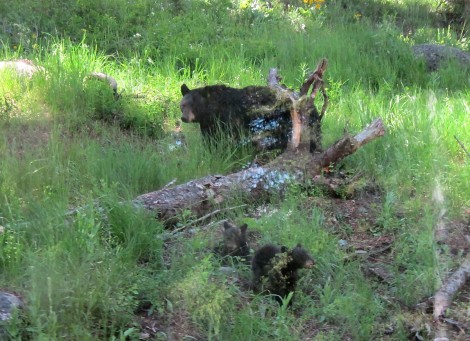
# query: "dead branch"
[[306, 121], [462, 145], [443, 297], [315, 78], [210, 214]]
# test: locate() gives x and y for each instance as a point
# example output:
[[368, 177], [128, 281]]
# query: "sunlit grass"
[[72, 158]]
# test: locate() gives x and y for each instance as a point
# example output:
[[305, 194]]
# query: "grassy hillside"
[[89, 266]]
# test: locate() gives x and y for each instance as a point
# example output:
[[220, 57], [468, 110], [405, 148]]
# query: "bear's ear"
[[243, 228], [184, 89], [227, 225], [284, 248], [299, 245]]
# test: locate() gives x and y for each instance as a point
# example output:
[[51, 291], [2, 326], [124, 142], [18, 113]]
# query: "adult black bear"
[[253, 111], [274, 269]]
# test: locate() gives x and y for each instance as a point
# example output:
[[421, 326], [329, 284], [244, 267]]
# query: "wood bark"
[[443, 298], [296, 164]]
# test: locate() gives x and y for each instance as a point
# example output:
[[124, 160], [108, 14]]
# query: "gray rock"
[[8, 303], [435, 55], [22, 67]]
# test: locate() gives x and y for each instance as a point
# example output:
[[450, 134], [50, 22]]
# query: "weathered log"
[[443, 297], [206, 194]]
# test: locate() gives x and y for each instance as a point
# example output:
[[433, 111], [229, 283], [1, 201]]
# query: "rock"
[[434, 55], [22, 67], [8, 303]]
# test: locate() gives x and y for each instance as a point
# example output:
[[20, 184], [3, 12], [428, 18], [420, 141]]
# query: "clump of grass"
[[205, 298]]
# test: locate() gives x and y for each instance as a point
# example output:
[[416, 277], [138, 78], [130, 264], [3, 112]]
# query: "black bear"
[[235, 242], [253, 110], [274, 269]]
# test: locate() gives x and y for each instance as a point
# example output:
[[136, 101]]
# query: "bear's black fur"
[[274, 268], [235, 242], [238, 111]]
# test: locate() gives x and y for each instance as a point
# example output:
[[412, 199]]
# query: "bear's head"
[[234, 236], [301, 258], [191, 103]]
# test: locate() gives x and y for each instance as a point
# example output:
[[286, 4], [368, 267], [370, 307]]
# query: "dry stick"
[[296, 128], [318, 73], [299, 121], [462, 145], [325, 102], [205, 217], [171, 183]]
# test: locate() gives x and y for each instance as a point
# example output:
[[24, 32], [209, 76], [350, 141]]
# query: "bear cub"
[[235, 242], [274, 269]]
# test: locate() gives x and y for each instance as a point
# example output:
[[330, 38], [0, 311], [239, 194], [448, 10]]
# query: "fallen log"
[[443, 297], [206, 194], [296, 164]]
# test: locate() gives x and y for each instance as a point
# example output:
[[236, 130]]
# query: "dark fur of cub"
[[274, 269], [235, 242]]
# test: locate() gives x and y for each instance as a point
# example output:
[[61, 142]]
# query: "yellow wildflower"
[[318, 3]]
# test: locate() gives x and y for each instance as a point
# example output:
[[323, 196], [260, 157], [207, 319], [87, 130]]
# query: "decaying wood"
[[443, 297], [206, 194], [306, 120]]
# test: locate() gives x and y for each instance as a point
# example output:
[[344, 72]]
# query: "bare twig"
[[208, 215], [325, 102], [317, 75], [171, 183], [462, 145]]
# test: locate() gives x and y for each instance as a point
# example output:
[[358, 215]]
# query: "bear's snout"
[[188, 117], [309, 264]]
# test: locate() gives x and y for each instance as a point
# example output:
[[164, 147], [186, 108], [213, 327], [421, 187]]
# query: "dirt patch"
[[23, 137], [175, 326]]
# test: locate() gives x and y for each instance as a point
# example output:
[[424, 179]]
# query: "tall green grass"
[[72, 158]]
